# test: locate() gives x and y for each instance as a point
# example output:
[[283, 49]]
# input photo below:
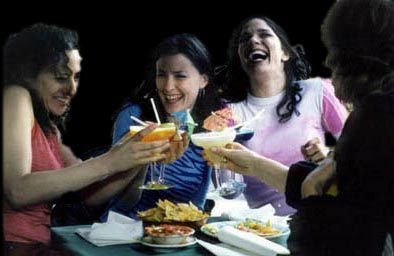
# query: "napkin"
[[250, 242], [240, 243], [118, 229], [265, 212], [225, 249]]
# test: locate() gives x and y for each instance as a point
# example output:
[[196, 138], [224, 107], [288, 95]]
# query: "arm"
[[317, 181], [102, 191], [314, 150], [131, 193], [244, 161], [334, 113], [20, 184], [132, 179]]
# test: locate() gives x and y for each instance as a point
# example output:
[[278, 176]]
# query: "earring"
[[201, 93]]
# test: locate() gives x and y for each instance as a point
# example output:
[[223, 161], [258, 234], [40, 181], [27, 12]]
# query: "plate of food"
[[265, 229], [168, 234], [212, 229], [167, 212], [168, 237]]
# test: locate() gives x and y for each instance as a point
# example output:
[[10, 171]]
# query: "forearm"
[[102, 191], [25, 190], [132, 193], [271, 172]]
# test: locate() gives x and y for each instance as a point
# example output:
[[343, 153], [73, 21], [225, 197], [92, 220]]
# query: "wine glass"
[[206, 140], [231, 184], [164, 131]]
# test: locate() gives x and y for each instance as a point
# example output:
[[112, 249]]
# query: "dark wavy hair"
[[359, 37], [296, 68], [29, 52], [190, 46]]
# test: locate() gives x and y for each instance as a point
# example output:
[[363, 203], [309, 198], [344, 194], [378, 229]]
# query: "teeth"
[[173, 98], [61, 99], [257, 55]]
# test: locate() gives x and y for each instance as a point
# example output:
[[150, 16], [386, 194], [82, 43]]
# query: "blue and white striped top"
[[190, 174]]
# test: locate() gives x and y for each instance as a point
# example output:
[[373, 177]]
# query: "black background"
[[116, 41]]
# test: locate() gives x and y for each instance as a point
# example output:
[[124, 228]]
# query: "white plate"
[[206, 229], [218, 225], [147, 240]]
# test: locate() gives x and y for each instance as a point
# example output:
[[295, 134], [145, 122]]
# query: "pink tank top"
[[32, 223]]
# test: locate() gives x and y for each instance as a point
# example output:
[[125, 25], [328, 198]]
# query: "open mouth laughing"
[[172, 98], [256, 56]]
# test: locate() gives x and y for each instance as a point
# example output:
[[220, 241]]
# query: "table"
[[66, 238]]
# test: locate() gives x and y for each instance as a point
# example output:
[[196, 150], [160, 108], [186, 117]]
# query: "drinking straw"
[[250, 121], [155, 110], [139, 121]]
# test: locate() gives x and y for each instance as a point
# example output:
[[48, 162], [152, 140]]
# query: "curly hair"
[[190, 46], [31, 51], [359, 37], [296, 68]]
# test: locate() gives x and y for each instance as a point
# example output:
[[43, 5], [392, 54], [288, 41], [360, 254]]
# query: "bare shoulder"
[[16, 101], [16, 92]]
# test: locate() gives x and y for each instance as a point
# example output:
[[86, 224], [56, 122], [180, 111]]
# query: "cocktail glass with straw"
[[164, 131], [207, 140]]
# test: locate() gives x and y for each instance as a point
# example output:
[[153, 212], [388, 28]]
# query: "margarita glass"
[[207, 140], [164, 131]]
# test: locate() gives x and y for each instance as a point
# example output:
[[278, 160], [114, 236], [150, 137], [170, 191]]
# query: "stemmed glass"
[[164, 131], [231, 184], [231, 188]]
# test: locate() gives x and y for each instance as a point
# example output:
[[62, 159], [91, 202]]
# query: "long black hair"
[[31, 51], [191, 47], [296, 68]]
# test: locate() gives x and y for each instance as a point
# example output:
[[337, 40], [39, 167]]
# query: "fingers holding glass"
[[164, 131], [220, 139]]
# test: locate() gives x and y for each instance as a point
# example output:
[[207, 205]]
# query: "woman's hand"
[[245, 161], [178, 146], [130, 152], [314, 150], [316, 182], [236, 157]]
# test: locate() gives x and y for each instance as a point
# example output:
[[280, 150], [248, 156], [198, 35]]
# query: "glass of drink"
[[164, 131], [206, 140]]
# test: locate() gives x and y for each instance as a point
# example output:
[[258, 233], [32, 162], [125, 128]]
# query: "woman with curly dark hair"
[[266, 72], [42, 66]]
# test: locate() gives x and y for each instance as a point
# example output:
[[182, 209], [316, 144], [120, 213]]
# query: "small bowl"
[[169, 234]]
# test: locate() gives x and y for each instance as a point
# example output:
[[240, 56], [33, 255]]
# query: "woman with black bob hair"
[[196, 52], [179, 77]]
